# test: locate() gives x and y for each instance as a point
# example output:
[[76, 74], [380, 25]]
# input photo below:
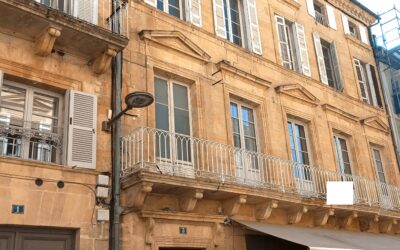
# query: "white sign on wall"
[[340, 193]]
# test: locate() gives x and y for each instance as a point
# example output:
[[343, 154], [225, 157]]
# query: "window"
[[55, 4], [358, 31], [173, 7], [368, 84], [323, 13], [30, 123], [342, 155], [379, 170], [292, 45], [353, 30], [172, 120], [299, 149], [328, 63], [233, 16], [320, 16]]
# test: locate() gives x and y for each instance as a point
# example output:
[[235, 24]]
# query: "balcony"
[[164, 155], [30, 140], [320, 18], [65, 28]]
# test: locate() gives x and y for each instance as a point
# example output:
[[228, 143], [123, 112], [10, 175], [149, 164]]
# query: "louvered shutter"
[[361, 81], [310, 7], [81, 130], [151, 2], [193, 13], [336, 67], [254, 40], [219, 18], [1, 82], [363, 34], [345, 21], [376, 85], [371, 85], [86, 10], [331, 16], [320, 58], [302, 52], [283, 41]]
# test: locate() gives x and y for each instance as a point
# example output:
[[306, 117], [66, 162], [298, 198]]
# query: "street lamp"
[[136, 99]]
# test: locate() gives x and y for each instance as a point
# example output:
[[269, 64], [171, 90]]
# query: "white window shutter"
[[331, 16], [151, 2], [1, 81], [310, 7], [345, 21], [336, 66], [320, 58], [371, 85], [86, 10], [219, 18], [81, 129], [302, 50], [193, 12], [283, 41], [254, 40], [363, 34]]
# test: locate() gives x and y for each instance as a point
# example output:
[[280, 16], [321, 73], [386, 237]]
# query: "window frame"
[[365, 81], [374, 148], [339, 159], [28, 113], [182, 7], [228, 28]]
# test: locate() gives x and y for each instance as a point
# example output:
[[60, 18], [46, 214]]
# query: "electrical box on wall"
[[103, 180], [102, 192], [103, 214]]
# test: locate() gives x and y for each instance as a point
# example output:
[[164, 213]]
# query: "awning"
[[326, 239]]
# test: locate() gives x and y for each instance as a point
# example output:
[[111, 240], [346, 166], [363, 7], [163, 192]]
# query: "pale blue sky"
[[380, 5]]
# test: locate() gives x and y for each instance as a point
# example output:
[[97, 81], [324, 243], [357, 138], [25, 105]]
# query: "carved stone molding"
[[321, 217], [263, 210], [136, 195], [45, 41], [218, 235], [188, 200], [376, 123], [366, 222], [150, 223], [353, 10], [340, 112], [386, 225], [297, 91], [231, 206], [102, 62], [294, 215], [346, 219]]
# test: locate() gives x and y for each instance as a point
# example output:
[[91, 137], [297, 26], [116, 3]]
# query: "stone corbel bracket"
[[218, 235], [366, 222], [385, 226], [136, 195], [102, 62], [263, 210], [231, 206], [188, 200], [347, 219], [45, 41], [149, 230], [294, 215], [321, 217]]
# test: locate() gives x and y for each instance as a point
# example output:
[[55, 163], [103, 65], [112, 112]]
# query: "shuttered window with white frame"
[[302, 51], [219, 18], [81, 129], [331, 16], [345, 21], [365, 90], [86, 10], [254, 40], [363, 34], [320, 58], [310, 8], [286, 55], [1, 81]]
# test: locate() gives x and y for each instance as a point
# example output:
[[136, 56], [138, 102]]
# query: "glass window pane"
[[236, 141], [234, 110], [251, 144], [247, 114], [12, 102], [235, 123], [45, 105], [180, 97], [160, 5], [182, 125], [161, 91], [248, 129], [174, 11], [162, 117], [174, 3]]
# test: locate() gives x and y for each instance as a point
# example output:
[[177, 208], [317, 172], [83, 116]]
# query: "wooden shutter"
[[219, 18], [361, 81], [81, 129], [151, 2], [86, 10], [345, 21], [376, 85], [331, 16], [252, 26], [283, 41], [302, 52], [320, 58], [336, 67], [363, 34], [193, 12], [310, 7], [1, 82]]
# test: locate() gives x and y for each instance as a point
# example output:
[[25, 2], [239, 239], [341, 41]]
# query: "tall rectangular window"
[[244, 133], [172, 120], [364, 82], [233, 16], [299, 149], [379, 170], [342, 155]]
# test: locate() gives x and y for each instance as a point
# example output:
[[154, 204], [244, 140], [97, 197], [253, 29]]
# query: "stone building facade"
[[257, 105]]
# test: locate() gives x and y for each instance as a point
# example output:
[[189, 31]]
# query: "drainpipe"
[[388, 109], [116, 66]]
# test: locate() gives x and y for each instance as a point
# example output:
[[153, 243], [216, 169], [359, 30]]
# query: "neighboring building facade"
[[257, 105], [55, 85]]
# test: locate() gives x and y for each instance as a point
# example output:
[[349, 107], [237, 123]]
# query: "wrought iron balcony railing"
[[174, 154], [319, 17], [30, 140]]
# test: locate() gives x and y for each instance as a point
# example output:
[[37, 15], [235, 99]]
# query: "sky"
[[380, 6]]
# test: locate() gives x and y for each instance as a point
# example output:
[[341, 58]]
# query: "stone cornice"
[[340, 112], [353, 10]]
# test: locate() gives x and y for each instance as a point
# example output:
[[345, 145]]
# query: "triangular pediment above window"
[[175, 40], [376, 123], [297, 91]]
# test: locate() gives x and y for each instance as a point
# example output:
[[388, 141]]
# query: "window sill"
[[292, 3], [358, 42]]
